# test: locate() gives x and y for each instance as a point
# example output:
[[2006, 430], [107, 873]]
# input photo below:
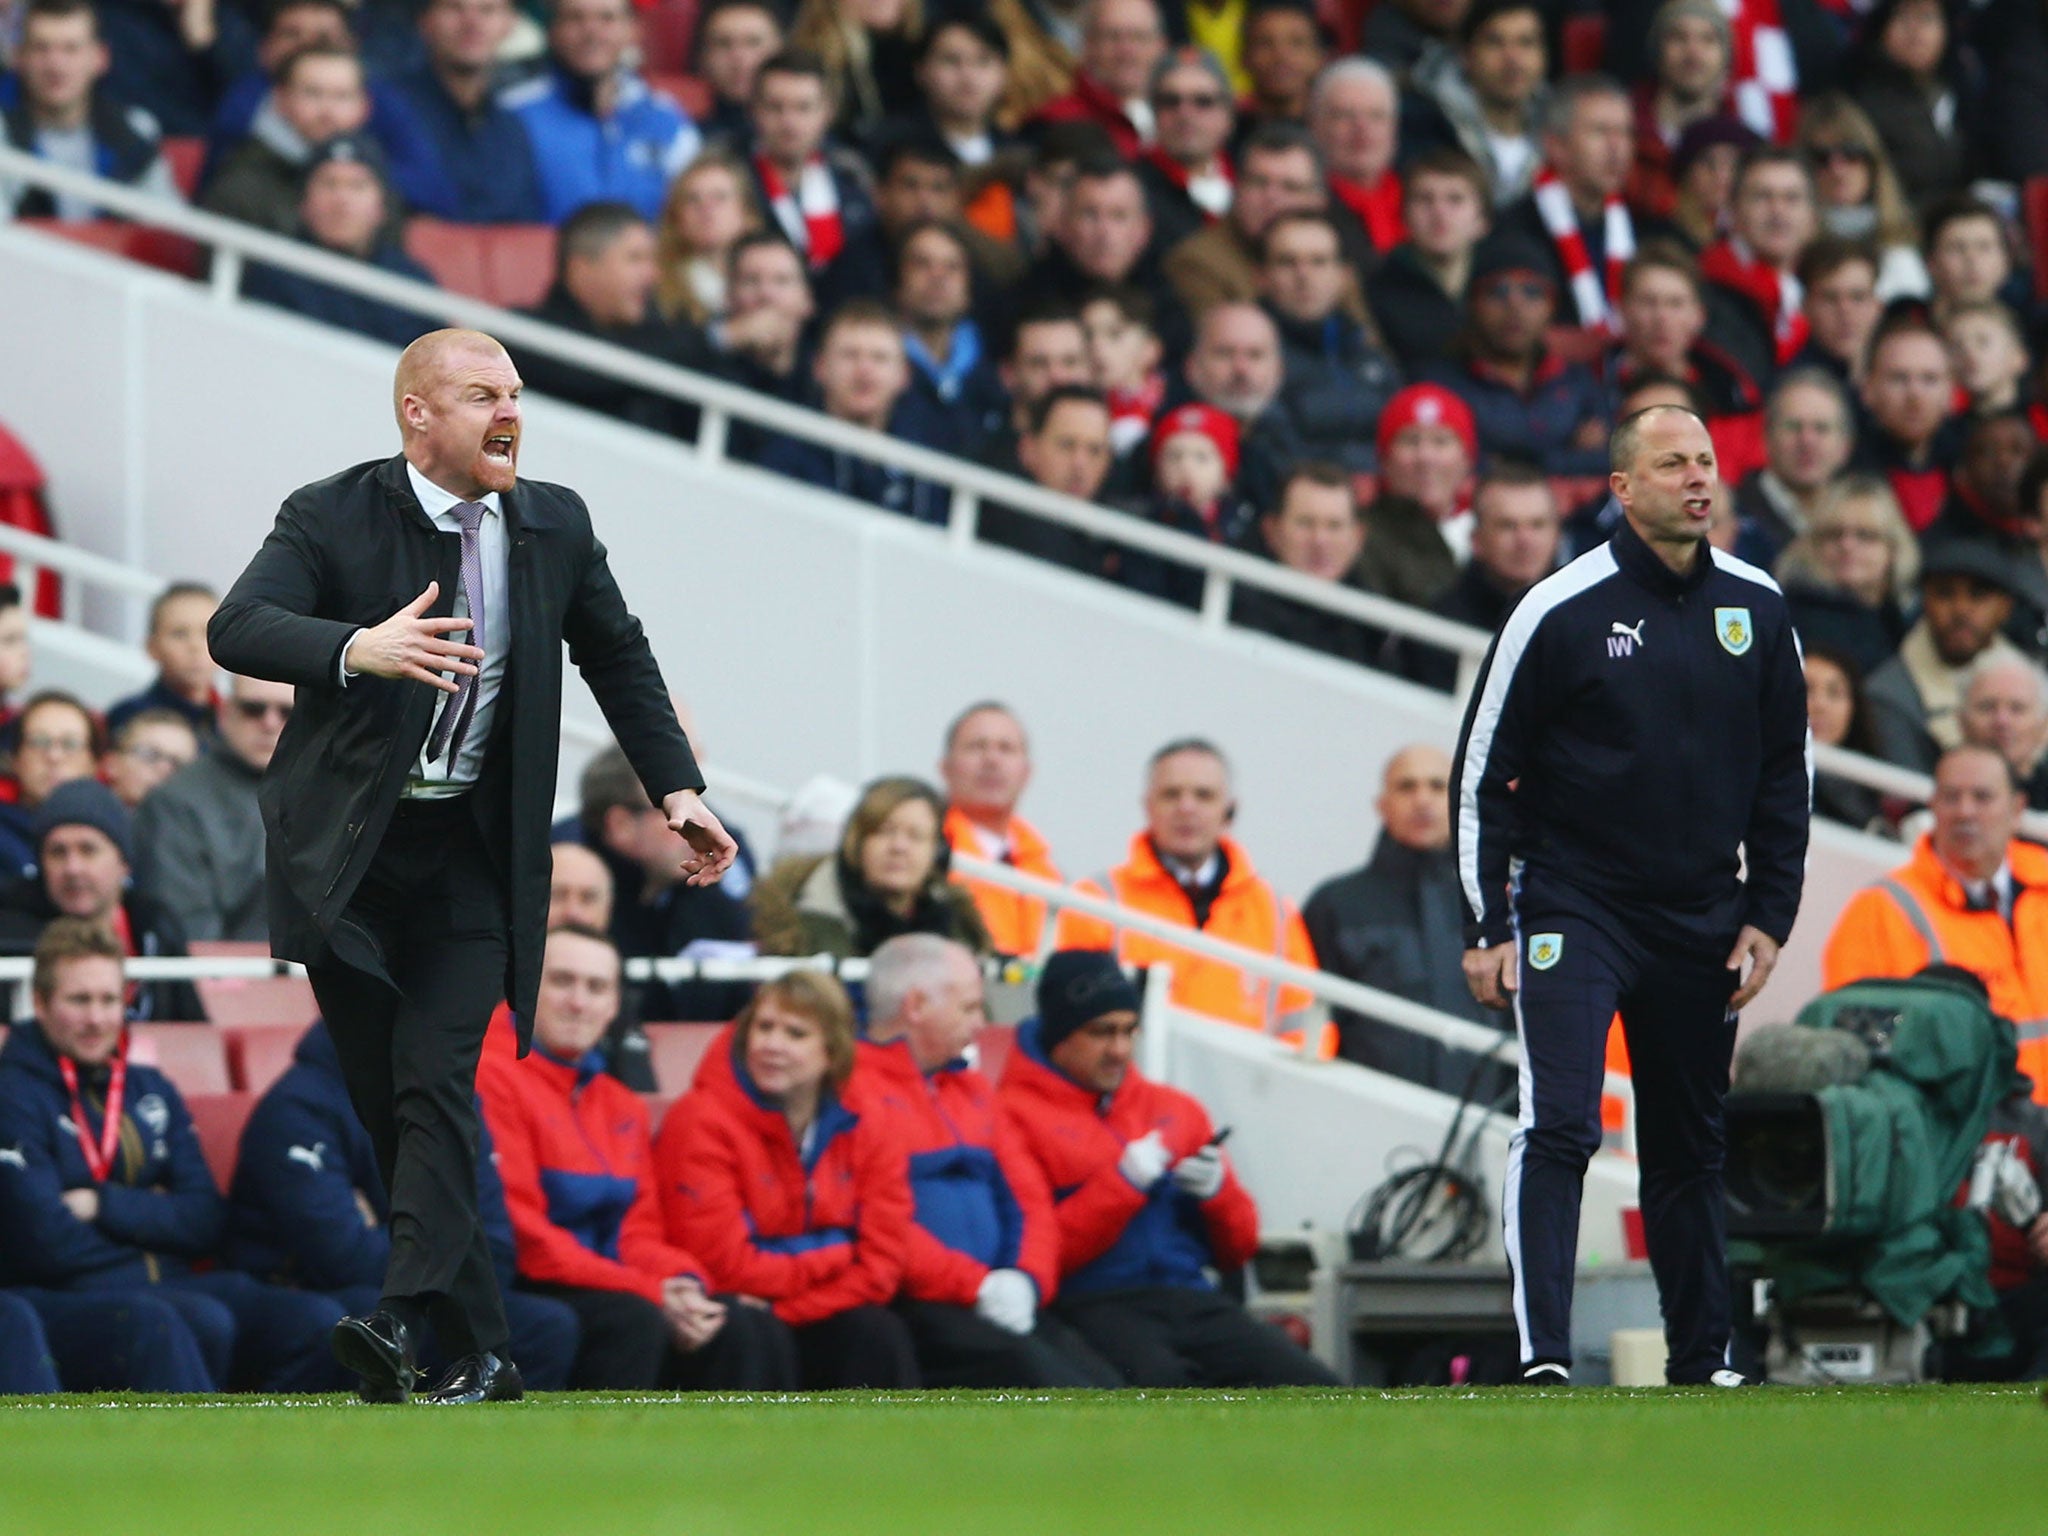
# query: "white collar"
[[437, 503]]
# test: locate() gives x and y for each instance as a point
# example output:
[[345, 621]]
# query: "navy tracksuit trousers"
[[1580, 964]]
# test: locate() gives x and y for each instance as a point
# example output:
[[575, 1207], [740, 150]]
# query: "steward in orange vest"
[[986, 768]]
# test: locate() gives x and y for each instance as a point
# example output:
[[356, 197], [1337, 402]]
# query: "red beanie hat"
[[1427, 405], [1219, 427]]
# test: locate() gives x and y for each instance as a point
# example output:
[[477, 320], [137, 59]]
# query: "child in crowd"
[[1990, 355], [1124, 353], [1194, 462]]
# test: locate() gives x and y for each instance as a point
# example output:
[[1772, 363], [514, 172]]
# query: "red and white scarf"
[[1763, 80], [1734, 265], [811, 217], [1599, 305]]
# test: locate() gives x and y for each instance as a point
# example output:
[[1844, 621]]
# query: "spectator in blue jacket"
[[345, 209], [951, 366], [600, 132], [473, 159], [1527, 402], [308, 1210], [863, 379], [106, 1192], [176, 61]]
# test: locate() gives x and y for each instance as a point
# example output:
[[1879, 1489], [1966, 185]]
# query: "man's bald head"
[[456, 396], [422, 365], [580, 891], [1627, 441], [1415, 797]]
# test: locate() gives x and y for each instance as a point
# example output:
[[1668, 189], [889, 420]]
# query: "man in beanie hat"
[[1418, 530], [1146, 1201], [1703, 166], [1691, 48], [83, 853]]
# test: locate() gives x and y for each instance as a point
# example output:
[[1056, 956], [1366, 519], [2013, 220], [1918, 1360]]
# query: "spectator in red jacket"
[[578, 1165], [984, 1252], [1146, 1201], [791, 1188]]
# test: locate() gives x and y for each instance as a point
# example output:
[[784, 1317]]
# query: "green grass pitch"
[[1868, 1461]]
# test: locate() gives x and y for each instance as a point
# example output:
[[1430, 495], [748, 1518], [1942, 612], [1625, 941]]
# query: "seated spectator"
[[1908, 75], [59, 115], [888, 876], [1753, 299], [1691, 51], [1101, 237], [815, 192], [1418, 293], [951, 371], [2005, 708], [983, 1258], [580, 895], [1703, 170], [793, 1191], [1337, 375], [986, 769], [1194, 462], [1837, 718], [1912, 435], [288, 28], [1354, 117], [600, 132], [472, 160], [710, 207], [1969, 258], [863, 378], [920, 181], [584, 1194], [175, 62], [107, 1193], [960, 68], [1401, 33], [1124, 353], [1808, 434], [733, 39], [1990, 355], [1122, 42], [308, 1209], [1065, 448], [605, 278], [1395, 923], [17, 660], [1574, 215], [1850, 575], [1526, 401], [1418, 529], [1858, 194], [1487, 94], [199, 839], [1148, 1206], [762, 341], [1985, 501], [1278, 171], [1187, 175], [1283, 52], [1517, 531], [84, 847], [56, 739], [1974, 894], [1967, 592], [1184, 869], [1664, 322], [346, 209], [1839, 279], [868, 51], [654, 913], [1235, 366], [147, 750], [184, 667], [1318, 529], [319, 95], [1048, 350]]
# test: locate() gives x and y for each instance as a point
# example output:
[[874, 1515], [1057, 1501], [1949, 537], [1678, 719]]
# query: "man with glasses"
[[148, 749], [199, 838], [58, 740], [1808, 435], [1187, 175]]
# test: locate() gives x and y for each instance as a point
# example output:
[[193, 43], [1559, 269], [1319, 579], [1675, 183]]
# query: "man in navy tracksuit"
[[1637, 732], [308, 1209]]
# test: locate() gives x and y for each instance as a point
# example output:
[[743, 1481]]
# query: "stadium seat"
[[186, 157], [452, 253], [690, 93], [259, 1054], [519, 263], [677, 1049], [23, 505], [2034, 210], [218, 1118], [151, 247], [668, 35], [193, 1056], [1584, 43], [245, 1000], [992, 1043]]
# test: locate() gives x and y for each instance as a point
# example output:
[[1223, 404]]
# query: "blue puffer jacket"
[[159, 1208], [629, 157], [292, 1213]]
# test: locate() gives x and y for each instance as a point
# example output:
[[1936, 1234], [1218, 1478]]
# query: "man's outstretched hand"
[[408, 646], [712, 849]]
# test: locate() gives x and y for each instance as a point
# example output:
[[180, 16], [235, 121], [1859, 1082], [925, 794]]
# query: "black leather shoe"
[[484, 1378], [378, 1348]]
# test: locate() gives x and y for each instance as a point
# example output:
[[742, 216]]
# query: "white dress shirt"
[[430, 781]]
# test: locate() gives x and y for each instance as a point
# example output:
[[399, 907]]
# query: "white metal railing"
[[233, 244]]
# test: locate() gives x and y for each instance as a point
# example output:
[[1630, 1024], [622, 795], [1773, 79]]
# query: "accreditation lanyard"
[[99, 1156]]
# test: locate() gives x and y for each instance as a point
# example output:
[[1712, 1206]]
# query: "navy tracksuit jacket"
[[1634, 735]]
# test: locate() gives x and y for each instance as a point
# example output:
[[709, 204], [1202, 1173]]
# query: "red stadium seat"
[[23, 505], [218, 1119], [690, 93], [185, 157], [677, 1049], [244, 1000], [2034, 206], [258, 1055], [151, 247], [1584, 43], [668, 33], [992, 1044], [452, 253], [193, 1056], [519, 263]]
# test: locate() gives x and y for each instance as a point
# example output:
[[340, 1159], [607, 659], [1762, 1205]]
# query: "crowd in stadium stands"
[[1359, 288]]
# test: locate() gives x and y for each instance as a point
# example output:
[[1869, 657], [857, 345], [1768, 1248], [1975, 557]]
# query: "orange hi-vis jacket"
[[1015, 922], [1918, 915], [1247, 911]]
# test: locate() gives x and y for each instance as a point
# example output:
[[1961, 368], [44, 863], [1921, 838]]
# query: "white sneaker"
[[1728, 1378], [1546, 1376]]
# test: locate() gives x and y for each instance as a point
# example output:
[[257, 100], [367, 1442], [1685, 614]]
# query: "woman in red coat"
[[786, 1193]]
